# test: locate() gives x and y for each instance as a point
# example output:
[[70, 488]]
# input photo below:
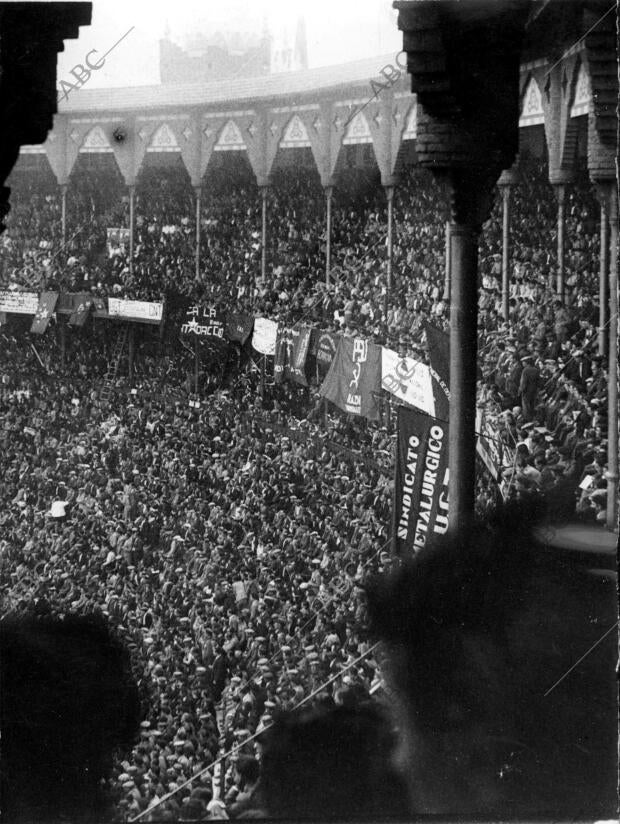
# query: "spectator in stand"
[[528, 387], [491, 723]]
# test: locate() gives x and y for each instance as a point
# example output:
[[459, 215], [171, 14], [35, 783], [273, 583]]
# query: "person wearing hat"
[[513, 377], [528, 387], [219, 671], [597, 386]]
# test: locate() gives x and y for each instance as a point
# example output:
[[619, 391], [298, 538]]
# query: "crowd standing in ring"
[[225, 542]]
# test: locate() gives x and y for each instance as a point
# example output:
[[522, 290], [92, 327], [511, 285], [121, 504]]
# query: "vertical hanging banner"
[[45, 310], [354, 378], [439, 354], [421, 481], [295, 369], [292, 347]]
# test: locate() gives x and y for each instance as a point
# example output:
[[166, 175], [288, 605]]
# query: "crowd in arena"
[[226, 540], [563, 402], [225, 557]]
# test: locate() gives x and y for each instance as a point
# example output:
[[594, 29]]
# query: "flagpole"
[[328, 233], [263, 253], [389, 191], [132, 192], [63, 218], [38, 357], [198, 205], [62, 331], [196, 370], [262, 377]]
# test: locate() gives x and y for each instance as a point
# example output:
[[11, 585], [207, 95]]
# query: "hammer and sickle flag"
[[354, 378]]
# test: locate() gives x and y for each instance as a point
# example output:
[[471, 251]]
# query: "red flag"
[[354, 378], [439, 354]]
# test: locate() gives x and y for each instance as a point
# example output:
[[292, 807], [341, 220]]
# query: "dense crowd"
[[225, 541], [224, 555], [563, 393]]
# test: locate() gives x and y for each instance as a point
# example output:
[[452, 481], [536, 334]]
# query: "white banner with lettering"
[[136, 310], [19, 303], [407, 379]]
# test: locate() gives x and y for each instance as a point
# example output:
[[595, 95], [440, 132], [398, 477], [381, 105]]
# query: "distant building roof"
[[247, 89]]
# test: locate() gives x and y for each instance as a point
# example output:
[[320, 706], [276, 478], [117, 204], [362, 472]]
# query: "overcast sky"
[[338, 31]]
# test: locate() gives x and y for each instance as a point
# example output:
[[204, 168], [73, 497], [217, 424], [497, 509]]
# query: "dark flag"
[[421, 480], [239, 327], [283, 344], [439, 354], [292, 347], [354, 378], [295, 368], [81, 310], [324, 345], [100, 306], [45, 310]]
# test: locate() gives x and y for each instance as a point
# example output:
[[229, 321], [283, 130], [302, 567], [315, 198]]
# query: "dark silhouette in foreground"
[[68, 703], [482, 630], [331, 764]]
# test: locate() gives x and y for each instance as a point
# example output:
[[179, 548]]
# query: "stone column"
[[603, 272], [389, 192], [446, 281], [612, 412], [464, 237], [560, 193], [467, 132], [506, 197], [329, 190], [198, 210], [63, 212], [132, 196], [263, 257], [506, 181]]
